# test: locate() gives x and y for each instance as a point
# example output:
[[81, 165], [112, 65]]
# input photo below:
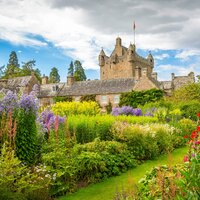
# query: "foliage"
[[79, 73], [87, 128], [13, 68], [145, 141], [136, 98], [28, 69], [54, 77], [189, 109], [75, 108], [91, 97], [187, 93], [60, 164], [109, 108], [27, 143], [19, 182], [71, 69], [97, 160], [60, 99], [174, 182]]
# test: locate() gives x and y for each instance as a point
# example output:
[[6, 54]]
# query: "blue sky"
[[54, 32]]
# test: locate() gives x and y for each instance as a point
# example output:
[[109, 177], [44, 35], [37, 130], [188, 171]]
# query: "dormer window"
[[55, 88]]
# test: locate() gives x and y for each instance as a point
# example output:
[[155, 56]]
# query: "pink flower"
[[185, 159]]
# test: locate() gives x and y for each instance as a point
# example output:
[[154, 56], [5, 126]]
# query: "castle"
[[123, 71]]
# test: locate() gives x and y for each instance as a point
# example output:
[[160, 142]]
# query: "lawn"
[[106, 189]]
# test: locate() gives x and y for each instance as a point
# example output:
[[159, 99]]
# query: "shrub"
[[145, 141], [61, 99], [76, 108], [60, 164], [189, 109], [91, 97], [136, 98], [87, 128], [99, 160], [27, 144], [17, 181]]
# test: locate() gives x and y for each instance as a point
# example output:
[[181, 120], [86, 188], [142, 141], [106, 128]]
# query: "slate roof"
[[113, 86], [19, 81]]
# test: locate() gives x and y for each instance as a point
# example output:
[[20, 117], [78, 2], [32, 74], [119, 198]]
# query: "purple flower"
[[47, 119], [9, 102], [28, 103], [126, 110]]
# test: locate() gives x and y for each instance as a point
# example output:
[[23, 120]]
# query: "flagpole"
[[134, 31]]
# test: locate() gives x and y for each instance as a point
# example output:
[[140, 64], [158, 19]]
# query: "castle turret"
[[118, 41], [131, 52], [102, 58], [150, 59]]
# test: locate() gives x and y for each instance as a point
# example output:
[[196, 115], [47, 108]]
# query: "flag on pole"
[[134, 25]]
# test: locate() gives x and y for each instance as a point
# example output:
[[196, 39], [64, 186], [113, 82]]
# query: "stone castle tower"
[[125, 63]]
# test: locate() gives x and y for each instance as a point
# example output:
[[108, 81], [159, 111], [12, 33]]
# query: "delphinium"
[[126, 110]]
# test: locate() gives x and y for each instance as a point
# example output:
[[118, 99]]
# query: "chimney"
[[173, 76], [137, 72], [44, 80], [154, 75], [70, 80]]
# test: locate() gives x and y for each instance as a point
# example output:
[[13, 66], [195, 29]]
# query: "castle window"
[[116, 99], [104, 99]]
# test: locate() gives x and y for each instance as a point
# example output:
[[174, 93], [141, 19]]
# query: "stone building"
[[123, 71], [21, 85]]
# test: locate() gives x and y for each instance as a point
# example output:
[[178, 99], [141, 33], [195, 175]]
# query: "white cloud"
[[186, 54], [80, 28], [161, 56]]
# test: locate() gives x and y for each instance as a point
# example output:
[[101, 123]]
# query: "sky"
[[56, 32]]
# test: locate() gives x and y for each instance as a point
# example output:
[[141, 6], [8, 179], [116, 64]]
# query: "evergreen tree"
[[71, 69], [79, 74], [54, 77], [27, 67], [13, 67]]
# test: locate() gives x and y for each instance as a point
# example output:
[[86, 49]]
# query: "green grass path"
[[106, 189]]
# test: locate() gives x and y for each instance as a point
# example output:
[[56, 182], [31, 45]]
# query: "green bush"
[[98, 160], [145, 141], [27, 145], [190, 109], [136, 98], [17, 181], [87, 128]]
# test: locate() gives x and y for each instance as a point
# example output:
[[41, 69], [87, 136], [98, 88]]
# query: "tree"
[[27, 67], [54, 77], [13, 67], [71, 69], [79, 74]]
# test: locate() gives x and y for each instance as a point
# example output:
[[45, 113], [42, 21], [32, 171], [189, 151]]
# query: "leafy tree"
[[71, 69], [79, 74], [2, 70], [28, 68], [54, 77]]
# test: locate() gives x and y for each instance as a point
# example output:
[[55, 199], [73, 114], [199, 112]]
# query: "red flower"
[[197, 142], [198, 128], [194, 134], [185, 136], [198, 114], [185, 159]]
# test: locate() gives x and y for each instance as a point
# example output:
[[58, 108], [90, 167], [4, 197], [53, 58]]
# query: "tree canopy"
[[79, 72], [54, 77], [71, 69]]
